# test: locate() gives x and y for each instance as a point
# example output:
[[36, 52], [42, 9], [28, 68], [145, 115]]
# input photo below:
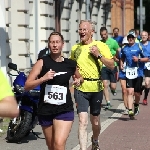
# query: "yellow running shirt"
[[5, 89], [87, 66]]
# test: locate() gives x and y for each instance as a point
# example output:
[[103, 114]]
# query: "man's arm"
[[9, 107], [109, 63], [8, 104], [104, 55]]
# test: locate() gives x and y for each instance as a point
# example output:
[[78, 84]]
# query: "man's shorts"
[[47, 120], [108, 74], [147, 73], [135, 83], [86, 99]]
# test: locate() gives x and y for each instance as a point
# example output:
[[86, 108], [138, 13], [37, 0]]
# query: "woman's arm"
[[32, 80]]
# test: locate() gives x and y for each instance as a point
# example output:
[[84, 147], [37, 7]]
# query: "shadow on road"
[[122, 118]]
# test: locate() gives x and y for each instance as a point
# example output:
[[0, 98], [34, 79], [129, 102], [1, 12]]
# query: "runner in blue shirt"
[[145, 45], [135, 58], [122, 79]]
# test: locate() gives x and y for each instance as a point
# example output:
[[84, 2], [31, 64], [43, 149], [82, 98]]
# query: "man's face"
[[85, 31], [104, 35], [144, 36], [116, 32], [131, 39]]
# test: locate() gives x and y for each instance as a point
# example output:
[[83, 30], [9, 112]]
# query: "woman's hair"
[[56, 33]]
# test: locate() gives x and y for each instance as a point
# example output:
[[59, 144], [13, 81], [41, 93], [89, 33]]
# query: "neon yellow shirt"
[[87, 66], [5, 89]]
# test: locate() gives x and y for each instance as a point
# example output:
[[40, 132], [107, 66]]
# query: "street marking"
[[104, 125]]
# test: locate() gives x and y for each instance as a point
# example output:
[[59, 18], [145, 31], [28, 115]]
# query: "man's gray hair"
[[92, 23]]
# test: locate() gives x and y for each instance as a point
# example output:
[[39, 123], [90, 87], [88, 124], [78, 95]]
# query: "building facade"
[[28, 24], [122, 15]]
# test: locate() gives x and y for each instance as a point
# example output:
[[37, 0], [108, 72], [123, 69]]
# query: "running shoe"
[[95, 146], [144, 101], [136, 110], [131, 114], [113, 92], [108, 106], [126, 112]]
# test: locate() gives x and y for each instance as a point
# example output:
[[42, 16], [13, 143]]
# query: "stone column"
[[128, 16], [132, 13], [19, 33], [65, 25], [74, 22], [94, 17], [119, 16], [113, 14], [42, 23], [3, 63]]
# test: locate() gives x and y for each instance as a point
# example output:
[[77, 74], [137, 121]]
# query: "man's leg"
[[130, 94], [146, 91], [82, 102], [124, 95], [137, 89], [83, 123], [106, 92], [95, 108], [105, 79], [113, 81]]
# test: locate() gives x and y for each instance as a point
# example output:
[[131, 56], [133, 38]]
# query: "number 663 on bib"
[[55, 94]]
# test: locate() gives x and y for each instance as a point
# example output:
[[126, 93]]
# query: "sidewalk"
[[126, 134]]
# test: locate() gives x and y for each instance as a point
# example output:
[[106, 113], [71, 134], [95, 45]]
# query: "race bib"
[[147, 65], [124, 67], [131, 72], [55, 94]]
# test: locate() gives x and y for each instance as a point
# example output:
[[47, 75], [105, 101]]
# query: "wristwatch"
[[139, 59], [99, 56]]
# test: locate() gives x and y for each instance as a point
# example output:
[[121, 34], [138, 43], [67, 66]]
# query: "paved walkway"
[[126, 134]]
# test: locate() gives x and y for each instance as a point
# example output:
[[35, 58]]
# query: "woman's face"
[[55, 44]]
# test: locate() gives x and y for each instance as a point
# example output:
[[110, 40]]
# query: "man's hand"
[[76, 82], [116, 59], [94, 50], [135, 59]]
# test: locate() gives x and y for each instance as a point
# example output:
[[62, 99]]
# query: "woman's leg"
[[124, 92], [61, 130], [48, 133]]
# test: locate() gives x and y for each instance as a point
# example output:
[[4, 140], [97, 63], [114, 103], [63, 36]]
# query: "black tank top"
[[68, 66]]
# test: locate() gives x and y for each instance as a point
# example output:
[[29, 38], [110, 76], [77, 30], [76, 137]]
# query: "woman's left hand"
[[76, 82]]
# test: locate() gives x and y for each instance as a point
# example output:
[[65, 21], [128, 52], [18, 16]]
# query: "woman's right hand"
[[49, 75]]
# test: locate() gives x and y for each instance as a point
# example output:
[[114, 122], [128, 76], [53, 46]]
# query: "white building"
[[27, 24]]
